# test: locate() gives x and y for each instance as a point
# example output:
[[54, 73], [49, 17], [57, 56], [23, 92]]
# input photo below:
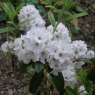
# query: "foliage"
[[3, 17], [11, 13], [64, 11], [85, 80]]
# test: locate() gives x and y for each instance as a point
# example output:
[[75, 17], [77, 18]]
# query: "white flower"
[[82, 90], [39, 33], [69, 75], [55, 65], [79, 64], [6, 46], [31, 56], [43, 56], [61, 33], [90, 54], [37, 46], [80, 49], [32, 17]]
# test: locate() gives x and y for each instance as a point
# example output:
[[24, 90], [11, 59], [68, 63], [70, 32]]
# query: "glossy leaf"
[[36, 81], [59, 83], [91, 75]]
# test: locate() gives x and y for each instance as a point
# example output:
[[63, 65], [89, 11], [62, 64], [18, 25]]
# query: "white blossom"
[[6, 46], [90, 54], [61, 33], [80, 49], [82, 90], [30, 15], [69, 75], [78, 64]]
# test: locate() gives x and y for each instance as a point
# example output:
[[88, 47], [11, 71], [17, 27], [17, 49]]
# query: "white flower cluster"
[[31, 16], [42, 44]]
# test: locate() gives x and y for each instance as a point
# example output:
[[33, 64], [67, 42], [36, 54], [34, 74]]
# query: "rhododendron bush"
[[51, 47]]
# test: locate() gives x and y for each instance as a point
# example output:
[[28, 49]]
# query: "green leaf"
[[39, 66], [51, 18], [30, 1], [79, 9], [91, 75], [30, 69], [76, 91], [24, 22], [51, 7], [23, 68], [68, 4], [3, 17], [59, 83], [71, 91], [19, 7], [74, 16], [36, 82], [88, 61], [35, 1], [9, 10], [7, 29], [58, 3], [41, 9], [46, 2], [84, 80]]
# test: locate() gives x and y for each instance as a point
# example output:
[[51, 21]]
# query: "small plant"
[[11, 14], [65, 11], [48, 52]]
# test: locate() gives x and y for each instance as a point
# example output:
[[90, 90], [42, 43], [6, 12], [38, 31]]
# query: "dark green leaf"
[[88, 61], [39, 66], [23, 68], [72, 91], [76, 91], [91, 75], [19, 7], [3, 17], [59, 82], [69, 91], [36, 81], [30, 69]]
